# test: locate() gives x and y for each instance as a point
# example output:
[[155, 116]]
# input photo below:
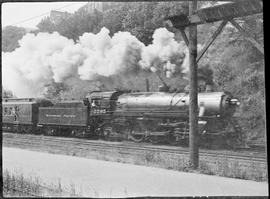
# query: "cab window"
[[95, 103]]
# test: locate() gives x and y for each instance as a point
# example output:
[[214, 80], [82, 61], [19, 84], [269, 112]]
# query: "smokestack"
[[163, 82], [164, 87], [209, 88]]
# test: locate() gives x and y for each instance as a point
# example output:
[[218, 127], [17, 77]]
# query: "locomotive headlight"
[[235, 102], [229, 106]]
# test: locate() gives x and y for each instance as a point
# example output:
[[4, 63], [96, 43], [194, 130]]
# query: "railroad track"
[[58, 143]]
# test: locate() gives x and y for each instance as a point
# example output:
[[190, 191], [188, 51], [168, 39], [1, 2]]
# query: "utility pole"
[[193, 93], [147, 84]]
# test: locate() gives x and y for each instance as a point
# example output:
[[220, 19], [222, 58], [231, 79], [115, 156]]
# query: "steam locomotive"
[[137, 116]]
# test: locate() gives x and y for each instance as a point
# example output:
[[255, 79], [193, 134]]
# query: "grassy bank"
[[212, 166], [19, 185]]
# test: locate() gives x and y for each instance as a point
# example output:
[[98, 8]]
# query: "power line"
[[31, 18]]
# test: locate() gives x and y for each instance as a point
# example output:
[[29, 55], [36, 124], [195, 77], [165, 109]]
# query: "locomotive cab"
[[102, 103]]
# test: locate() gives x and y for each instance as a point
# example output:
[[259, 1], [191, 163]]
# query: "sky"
[[29, 14]]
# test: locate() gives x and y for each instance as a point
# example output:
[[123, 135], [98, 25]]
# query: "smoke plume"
[[45, 58], [109, 55], [164, 54], [28, 69]]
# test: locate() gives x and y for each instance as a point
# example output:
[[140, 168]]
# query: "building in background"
[[57, 16], [99, 6]]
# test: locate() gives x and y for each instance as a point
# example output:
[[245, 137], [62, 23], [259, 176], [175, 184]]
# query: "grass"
[[18, 185], [234, 169], [215, 166]]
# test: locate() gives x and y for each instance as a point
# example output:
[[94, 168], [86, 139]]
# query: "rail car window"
[[16, 108], [10, 111], [5, 110]]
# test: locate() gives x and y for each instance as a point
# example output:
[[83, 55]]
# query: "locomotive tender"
[[138, 116]]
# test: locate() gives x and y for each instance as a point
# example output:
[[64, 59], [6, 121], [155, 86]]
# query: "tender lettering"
[[66, 116], [69, 116], [48, 115]]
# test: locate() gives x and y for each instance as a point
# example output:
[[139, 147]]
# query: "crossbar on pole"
[[183, 33], [211, 40]]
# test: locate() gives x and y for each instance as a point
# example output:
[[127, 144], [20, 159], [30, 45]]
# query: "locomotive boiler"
[[175, 104], [158, 116]]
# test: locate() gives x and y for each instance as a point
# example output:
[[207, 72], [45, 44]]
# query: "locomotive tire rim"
[[136, 137]]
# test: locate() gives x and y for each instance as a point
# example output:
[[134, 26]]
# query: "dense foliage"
[[231, 63], [10, 37]]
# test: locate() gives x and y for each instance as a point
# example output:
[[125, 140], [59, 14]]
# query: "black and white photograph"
[[128, 99]]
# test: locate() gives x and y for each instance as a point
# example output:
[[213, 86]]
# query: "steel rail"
[[53, 141], [137, 150], [135, 145]]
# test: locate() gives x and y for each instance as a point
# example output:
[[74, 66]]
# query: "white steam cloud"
[[164, 54], [107, 56], [44, 58]]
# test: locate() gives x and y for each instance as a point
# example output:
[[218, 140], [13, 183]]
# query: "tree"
[[138, 20], [88, 22], [54, 90], [7, 93], [78, 89], [238, 67], [46, 25], [73, 26], [113, 18], [10, 37]]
